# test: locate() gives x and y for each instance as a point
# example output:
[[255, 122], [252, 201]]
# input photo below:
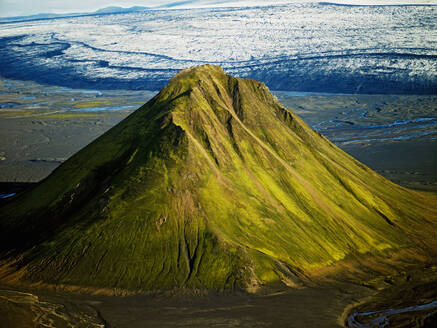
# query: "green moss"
[[212, 184]]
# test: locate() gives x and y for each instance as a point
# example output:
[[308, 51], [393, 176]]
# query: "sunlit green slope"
[[211, 184]]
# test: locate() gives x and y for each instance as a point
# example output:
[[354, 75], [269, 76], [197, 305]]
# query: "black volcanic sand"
[[41, 126], [309, 307], [275, 306], [32, 147]]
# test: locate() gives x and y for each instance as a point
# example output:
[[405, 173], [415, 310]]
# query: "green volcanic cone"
[[212, 184]]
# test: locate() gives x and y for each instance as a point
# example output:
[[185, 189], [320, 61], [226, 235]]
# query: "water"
[[8, 105], [382, 317], [4, 196], [351, 127], [108, 108]]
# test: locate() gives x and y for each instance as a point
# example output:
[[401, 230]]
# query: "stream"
[[350, 129], [381, 318]]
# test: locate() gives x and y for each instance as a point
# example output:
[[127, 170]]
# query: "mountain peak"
[[188, 79], [208, 89], [212, 184], [201, 71]]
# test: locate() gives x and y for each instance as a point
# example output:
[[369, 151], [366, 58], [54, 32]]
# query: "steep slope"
[[211, 184]]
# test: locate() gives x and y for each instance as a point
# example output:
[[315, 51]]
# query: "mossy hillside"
[[133, 176], [211, 184]]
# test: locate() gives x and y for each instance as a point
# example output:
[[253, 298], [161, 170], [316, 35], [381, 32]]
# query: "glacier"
[[303, 46]]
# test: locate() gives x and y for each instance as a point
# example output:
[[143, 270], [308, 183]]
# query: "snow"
[[286, 46]]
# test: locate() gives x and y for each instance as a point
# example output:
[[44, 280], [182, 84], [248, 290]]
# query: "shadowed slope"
[[211, 184]]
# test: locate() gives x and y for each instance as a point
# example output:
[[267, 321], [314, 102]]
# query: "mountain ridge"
[[212, 184]]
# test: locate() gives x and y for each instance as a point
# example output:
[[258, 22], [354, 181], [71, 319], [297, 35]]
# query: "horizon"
[[21, 8]]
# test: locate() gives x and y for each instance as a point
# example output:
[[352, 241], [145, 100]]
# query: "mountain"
[[212, 184], [44, 16], [217, 4]]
